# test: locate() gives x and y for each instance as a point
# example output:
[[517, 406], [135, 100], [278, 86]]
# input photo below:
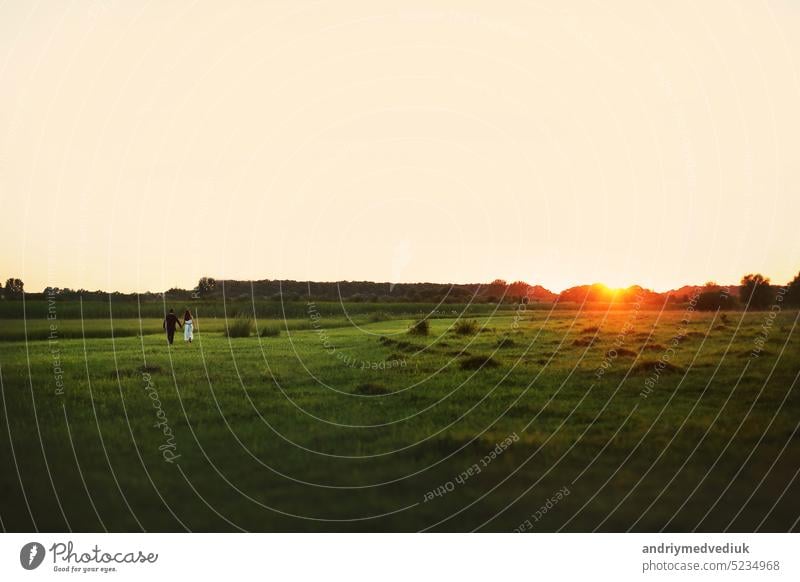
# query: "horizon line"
[[390, 283]]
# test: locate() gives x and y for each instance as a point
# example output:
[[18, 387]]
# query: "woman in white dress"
[[188, 325]]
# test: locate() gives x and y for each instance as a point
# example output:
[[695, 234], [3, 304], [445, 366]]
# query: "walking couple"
[[171, 320]]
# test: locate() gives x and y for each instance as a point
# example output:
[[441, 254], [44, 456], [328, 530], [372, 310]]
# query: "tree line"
[[754, 292]]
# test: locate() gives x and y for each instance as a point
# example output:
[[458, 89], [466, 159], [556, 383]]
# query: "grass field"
[[539, 421]]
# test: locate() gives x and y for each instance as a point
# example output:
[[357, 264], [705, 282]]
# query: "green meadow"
[[495, 420]]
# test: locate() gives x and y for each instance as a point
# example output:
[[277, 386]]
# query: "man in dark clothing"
[[169, 324]]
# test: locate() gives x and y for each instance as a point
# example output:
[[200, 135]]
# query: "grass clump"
[[150, 368], [239, 327], [478, 362], [652, 348], [419, 327], [270, 332], [406, 346], [465, 326], [505, 342]]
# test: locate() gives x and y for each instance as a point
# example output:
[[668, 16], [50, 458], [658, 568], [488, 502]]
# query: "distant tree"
[[713, 299], [755, 291], [206, 285], [793, 291], [518, 291], [496, 291], [14, 287]]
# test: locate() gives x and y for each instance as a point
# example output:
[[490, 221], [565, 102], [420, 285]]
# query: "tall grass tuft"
[[419, 327], [271, 331], [465, 327], [478, 362], [239, 327]]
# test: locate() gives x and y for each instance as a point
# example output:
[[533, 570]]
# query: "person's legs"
[[170, 335]]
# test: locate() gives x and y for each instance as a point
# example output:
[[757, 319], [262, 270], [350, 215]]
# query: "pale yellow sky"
[[143, 145]]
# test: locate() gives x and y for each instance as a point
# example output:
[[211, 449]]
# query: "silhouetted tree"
[[756, 290], [206, 285], [14, 287], [713, 297], [793, 291]]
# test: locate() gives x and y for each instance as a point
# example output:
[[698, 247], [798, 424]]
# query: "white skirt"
[[187, 331]]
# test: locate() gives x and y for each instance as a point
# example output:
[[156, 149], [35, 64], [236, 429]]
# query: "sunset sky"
[[143, 145]]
